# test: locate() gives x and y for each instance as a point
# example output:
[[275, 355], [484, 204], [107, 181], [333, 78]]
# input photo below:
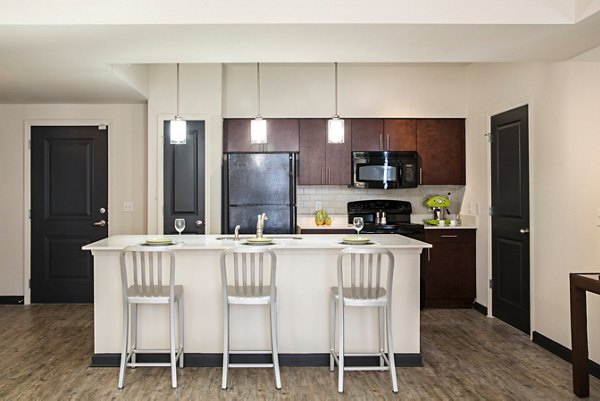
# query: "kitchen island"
[[306, 269]]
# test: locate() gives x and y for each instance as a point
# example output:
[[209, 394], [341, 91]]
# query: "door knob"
[[524, 230], [100, 223], [198, 223]]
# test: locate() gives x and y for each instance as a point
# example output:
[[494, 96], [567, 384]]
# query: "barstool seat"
[[148, 277], [248, 278], [363, 289]]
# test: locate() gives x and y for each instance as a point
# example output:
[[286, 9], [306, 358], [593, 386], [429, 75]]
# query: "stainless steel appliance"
[[384, 170], [397, 221], [256, 183]]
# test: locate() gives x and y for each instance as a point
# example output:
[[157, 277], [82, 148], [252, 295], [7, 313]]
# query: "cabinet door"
[[313, 132], [450, 268], [367, 134], [339, 158], [441, 148], [400, 134], [283, 135], [236, 136]]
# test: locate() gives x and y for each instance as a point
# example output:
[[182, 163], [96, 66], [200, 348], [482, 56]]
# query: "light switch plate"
[[318, 205], [598, 217], [128, 207]]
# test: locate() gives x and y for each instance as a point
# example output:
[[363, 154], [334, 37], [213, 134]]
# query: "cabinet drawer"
[[450, 236]]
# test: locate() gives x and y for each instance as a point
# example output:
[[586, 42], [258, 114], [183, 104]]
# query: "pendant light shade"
[[178, 126], [335, 126], [258, 126]]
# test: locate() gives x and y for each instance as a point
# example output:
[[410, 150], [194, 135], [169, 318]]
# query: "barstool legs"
[[391, 358], [274, 347], [124, 346], [225, 344], [180, 321], [341, 346], [172, 344], [331, 333]]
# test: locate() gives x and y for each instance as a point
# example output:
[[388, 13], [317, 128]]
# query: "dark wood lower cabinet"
[[450, 268]]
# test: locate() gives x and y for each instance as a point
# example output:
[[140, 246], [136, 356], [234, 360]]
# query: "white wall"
[[564, 135], [364, 90], [200, 99], [127, 177]]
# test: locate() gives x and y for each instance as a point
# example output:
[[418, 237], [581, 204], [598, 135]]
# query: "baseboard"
[[12, 300], [480, 308], [562, 352], [216, 360]]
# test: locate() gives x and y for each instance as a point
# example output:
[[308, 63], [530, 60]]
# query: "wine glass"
[[179, 225], [358, 223]]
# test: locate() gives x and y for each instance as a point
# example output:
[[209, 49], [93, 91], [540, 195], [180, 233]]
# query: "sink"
[[230, 237]]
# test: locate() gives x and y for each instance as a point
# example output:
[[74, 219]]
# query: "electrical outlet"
[[128, 207], [318, 205]]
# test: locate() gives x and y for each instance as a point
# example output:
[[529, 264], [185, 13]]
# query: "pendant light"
[[258, 126], [178, 128], [335, 126]]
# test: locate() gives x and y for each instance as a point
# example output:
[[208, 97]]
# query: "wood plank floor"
[[45, 352]]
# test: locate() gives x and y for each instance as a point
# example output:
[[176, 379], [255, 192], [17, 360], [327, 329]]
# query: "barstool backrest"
[[363, 270], [149, 269], [248, 269]]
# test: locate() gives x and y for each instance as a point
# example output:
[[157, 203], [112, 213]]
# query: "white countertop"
[[208, 242]]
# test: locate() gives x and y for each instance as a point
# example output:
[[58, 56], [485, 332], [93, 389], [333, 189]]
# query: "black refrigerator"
[[256, 183]]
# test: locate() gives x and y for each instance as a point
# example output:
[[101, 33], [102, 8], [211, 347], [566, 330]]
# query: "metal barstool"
[[248, 279], [366, 272], [148, 277]]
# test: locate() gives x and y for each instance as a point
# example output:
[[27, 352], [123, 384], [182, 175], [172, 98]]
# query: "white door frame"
[[27, 187]]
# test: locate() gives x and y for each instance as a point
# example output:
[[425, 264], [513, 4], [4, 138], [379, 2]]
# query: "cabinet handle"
[[420, 176], [449, 236], [429, 254], [387, 139], [323, 175], [328, 175], [380, 141]]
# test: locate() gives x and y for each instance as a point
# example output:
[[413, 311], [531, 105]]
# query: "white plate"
[[355, 240], [159, 241], [256, 240]]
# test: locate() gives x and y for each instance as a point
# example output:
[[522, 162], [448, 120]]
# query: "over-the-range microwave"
[[385, 170]]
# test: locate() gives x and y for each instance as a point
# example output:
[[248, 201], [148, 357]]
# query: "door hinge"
[[29, 214], [491, 284], [29, 283], [491, 211], [490, 137], [29, 144]]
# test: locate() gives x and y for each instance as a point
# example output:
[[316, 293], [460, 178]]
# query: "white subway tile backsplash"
[[334, 198]]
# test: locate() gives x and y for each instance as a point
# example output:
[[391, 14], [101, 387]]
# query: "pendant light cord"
[[336, 90], [258, 88], [178, 89]]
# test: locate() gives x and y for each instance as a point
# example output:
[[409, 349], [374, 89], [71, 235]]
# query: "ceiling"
[[100, 54]]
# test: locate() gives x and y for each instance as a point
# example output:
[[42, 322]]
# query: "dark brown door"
[[367, 134], [510, 218], [441, 148], [400, 134], [183, 178], [69, 197], [312, 151], [282, 135]]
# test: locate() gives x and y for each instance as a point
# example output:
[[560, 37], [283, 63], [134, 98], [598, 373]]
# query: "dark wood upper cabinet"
[[312, 151], [282, 136], [367, 134], [236, 136], [400, 134], [322, 162], [441, 148]]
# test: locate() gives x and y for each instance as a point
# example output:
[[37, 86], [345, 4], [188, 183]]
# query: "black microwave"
[[385, 170]]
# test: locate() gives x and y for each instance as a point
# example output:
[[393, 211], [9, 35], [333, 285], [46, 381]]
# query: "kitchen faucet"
[[236, 233], [260, 225]]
